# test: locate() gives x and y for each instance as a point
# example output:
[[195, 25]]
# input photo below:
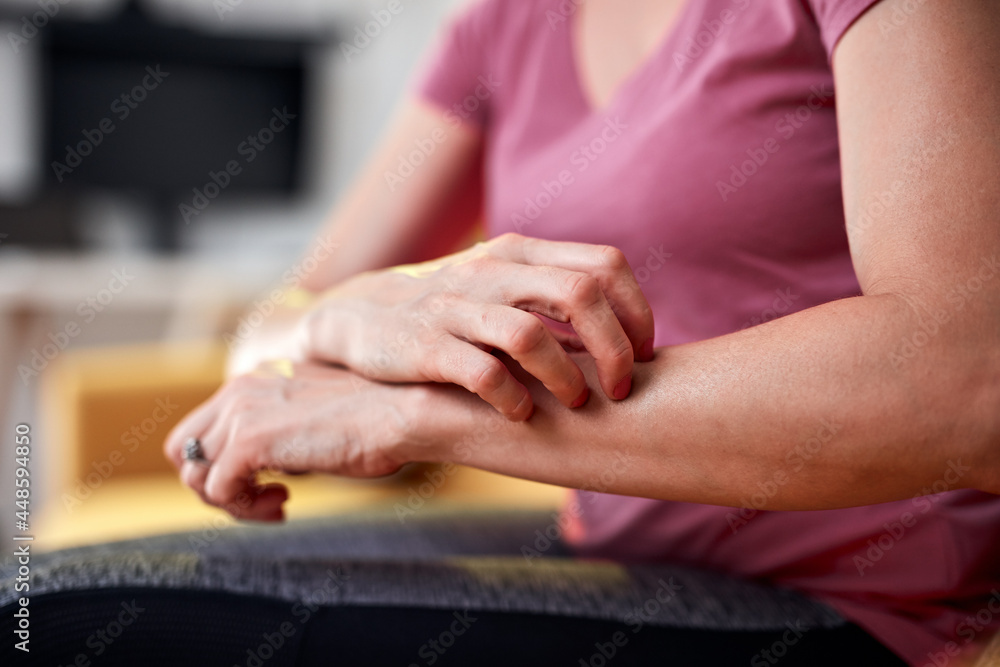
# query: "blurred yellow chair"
[[110, 409]]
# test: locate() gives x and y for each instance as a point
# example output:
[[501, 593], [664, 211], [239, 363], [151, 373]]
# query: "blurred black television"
[[178, 118]]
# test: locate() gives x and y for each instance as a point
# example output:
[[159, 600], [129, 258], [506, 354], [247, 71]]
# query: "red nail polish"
[[584, 397], [646, 353], [623, 388]]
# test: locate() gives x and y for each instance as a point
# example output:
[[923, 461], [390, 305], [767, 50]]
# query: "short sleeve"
[[835, 17], [459, 61]]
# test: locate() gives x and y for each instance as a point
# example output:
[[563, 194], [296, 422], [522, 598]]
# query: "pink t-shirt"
[[715, 168]]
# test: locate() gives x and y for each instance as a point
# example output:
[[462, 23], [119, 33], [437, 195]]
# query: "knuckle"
[[507, 239], [488, 377], [481, 265], [426, 304], [525, 335], [612, 259], [582, 290], [621, 352], [476, 266]]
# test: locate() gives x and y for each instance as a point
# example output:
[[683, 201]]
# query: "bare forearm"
[[811, 408]]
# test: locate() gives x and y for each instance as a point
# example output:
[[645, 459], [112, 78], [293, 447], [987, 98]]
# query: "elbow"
[[953, 383]]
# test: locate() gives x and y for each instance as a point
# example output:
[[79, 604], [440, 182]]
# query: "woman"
[[685, 167]]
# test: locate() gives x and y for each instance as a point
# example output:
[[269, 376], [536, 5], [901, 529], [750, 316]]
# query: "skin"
[[711, 421], [436, 321]]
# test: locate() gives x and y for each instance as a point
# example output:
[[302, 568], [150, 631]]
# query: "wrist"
[[321, 333], [433, 415]]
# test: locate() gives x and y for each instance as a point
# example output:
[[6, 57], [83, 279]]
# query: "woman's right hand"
[[439, 321]]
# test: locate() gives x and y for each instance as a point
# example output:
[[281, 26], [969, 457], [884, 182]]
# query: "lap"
[[387, 589]]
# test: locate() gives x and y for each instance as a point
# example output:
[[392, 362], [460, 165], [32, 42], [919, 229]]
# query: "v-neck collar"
[[633, 78]]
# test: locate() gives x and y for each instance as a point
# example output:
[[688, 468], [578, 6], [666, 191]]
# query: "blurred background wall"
[[83, 267]]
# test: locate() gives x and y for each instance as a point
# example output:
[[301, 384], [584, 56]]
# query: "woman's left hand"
[[291, 418]]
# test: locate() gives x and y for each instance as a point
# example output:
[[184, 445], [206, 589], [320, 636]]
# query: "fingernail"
[[646, 352], [623, 388], [582, 399]]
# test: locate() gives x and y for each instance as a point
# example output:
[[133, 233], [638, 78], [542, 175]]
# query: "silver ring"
[[194, 453]]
